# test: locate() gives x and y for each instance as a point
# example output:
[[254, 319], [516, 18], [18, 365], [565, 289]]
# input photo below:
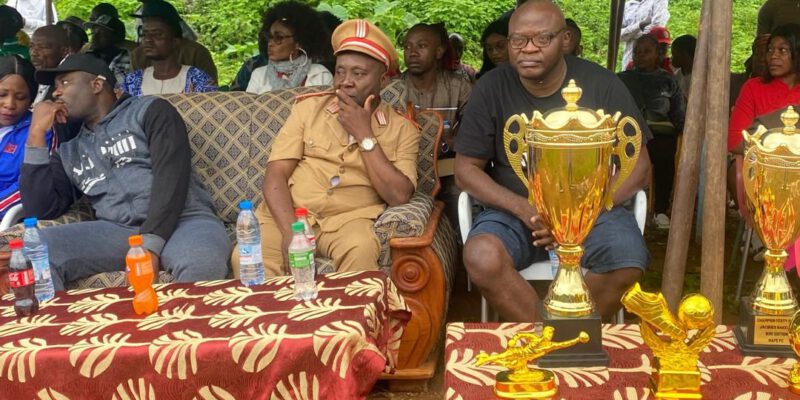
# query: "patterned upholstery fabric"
[[427, 176], [112, 279], [407, 220], [81, 211], [445, 245], [232, 132], [215, 123]]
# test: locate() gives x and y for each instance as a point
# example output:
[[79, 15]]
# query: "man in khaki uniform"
[[343, 155]]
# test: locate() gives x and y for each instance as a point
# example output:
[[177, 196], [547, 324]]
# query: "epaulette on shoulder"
[[407, 117], [302, 97]]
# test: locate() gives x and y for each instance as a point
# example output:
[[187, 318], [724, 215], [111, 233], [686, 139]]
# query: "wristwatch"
[[367, 144]]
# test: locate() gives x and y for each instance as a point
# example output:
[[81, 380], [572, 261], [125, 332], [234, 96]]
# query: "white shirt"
[[684, 82], [34, 12], [637, 11], [317, 76], [40, 94], [4, 130], [151, 85]]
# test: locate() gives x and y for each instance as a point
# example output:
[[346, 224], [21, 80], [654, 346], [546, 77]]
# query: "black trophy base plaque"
[[589, 354], [762, 335]]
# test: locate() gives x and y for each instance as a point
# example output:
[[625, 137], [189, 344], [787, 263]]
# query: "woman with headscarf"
[[296, 38]]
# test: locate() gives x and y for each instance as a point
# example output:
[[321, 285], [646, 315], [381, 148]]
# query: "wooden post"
[[614, 31], [713, 248], [685, 187], [48, 4]]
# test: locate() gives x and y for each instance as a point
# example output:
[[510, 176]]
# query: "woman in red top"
[[776, 89]]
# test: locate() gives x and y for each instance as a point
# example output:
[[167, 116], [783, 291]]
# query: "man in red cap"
[[344, 155]]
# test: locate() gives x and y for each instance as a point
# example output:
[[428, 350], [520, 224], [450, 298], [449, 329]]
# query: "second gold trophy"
[[569, 153]]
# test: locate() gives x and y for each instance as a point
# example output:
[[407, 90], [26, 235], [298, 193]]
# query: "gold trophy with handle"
[[771, 178], [570, 178]]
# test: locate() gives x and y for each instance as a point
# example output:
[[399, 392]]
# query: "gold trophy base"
[[676, 384], [762, 335], [590, 354], [542, 388]]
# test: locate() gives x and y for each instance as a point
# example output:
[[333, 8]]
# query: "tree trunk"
[[685, 187], [713, 248]]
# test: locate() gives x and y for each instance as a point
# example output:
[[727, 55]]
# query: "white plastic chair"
[[12, 216], [538, 271]]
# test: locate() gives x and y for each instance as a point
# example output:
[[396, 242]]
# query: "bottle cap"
[[301, 212], [246, 205], [15, 244], [135, 240], [298, 227], [30, 222]]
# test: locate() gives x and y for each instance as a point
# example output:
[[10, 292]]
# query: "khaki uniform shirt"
[[331, 178]]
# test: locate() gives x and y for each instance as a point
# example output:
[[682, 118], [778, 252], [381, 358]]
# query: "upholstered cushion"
[[218, 125], [80, 211], [407, 220]]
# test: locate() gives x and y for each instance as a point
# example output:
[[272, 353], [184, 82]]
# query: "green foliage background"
[[229, 27]]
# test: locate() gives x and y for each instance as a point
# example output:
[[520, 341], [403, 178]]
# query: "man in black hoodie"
[[132, 160]]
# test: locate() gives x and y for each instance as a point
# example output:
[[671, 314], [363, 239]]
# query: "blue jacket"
[[12, 150]]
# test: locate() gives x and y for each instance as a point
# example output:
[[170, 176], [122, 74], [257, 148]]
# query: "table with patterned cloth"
[[726, 374], [208, 340]]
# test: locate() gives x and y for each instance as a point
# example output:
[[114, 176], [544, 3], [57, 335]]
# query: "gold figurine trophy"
[[520, 381], [771, 177], [570, 169], [675, 374]]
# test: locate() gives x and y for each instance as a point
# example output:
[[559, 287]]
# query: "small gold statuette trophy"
[[675, 374], [569, 154], [520, 381], [771, 178], [794, 338]]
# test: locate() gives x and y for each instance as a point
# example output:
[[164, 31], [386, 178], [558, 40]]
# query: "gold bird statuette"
[[675, 373], [521, 381]]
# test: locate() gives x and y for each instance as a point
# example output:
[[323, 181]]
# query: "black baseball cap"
[[158, 8], [77, 62]]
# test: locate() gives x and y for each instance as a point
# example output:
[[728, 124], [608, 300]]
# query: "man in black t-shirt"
[[499, 242]]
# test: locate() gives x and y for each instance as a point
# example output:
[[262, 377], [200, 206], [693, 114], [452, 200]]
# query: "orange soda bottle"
[[140, 274]]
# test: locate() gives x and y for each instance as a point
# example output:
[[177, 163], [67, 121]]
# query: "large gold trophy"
[[570, 172], [675, 373], [771, 177], [521, 381]]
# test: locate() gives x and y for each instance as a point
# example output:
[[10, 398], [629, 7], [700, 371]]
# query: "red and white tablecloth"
[[208, 340], [726, 374]]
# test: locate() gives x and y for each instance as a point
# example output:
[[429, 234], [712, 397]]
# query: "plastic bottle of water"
[[301, 262], [553, 262], [36, 251], [248, 236]]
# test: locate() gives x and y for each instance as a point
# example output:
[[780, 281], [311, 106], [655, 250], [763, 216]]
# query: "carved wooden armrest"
[[418, 274]]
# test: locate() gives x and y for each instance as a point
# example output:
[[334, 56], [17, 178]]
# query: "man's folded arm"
[[45, 188]]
